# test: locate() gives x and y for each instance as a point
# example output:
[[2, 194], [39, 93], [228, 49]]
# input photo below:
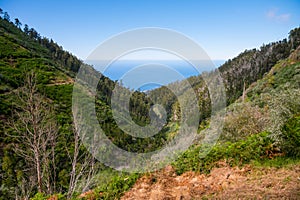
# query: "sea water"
[[145, 75]]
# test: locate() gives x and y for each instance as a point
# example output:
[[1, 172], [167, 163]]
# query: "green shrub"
[[278, 162], [253, 147], [290, 143], [41, 196], [118, 185]]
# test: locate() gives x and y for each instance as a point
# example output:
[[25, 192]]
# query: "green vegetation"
[[238, 153], [291, 137], [116, 187], [262, 127], [278, 162], [23, 52]]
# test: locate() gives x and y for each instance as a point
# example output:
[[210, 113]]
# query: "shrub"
[[254, 147], [243, 120], [290, 143], [118, 185]]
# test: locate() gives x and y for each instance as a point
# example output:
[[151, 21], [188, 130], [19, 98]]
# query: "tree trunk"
[[39, 175]]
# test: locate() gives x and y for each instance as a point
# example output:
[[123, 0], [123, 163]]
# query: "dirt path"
[[62, 82], [222, 183]]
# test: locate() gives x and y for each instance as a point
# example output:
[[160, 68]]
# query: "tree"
[[36, 133], [26, 29], [6, 16], [18, 23], [32, 33], [83, 167], [1, 12], [294, 38]]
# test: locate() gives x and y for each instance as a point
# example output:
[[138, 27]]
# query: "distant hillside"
[[237, 73]]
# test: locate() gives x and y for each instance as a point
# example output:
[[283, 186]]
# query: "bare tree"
[[84, 168], [36, 133]]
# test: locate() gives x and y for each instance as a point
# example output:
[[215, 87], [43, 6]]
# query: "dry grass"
[[222, 183]]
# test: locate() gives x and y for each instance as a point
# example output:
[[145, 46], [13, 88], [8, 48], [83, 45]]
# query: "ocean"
[[145, 75]]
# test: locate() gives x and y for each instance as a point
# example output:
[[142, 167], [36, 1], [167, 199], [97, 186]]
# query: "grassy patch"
[[277, 162], [255, 147], [118, 185]]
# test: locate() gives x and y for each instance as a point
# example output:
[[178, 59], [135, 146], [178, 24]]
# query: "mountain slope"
[[243, 70], [257, 165], [23, 52]]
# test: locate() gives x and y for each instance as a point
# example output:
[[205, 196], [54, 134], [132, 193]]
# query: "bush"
[[244, 120], [118, 185], [290, 143], [253, 147]]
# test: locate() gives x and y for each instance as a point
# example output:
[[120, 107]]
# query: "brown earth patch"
[[222, 183]]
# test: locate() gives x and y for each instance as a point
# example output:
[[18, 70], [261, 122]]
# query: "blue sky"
[[222, 28]]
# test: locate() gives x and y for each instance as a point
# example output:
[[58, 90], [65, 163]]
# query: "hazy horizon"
[[119, 69]]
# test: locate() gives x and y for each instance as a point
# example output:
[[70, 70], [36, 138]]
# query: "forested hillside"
[[238, 73], [257, 156], [41, 154], [38, 74], [36, 87]]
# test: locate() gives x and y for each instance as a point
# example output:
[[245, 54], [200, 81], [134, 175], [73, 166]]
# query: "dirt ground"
[[223, 182]]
